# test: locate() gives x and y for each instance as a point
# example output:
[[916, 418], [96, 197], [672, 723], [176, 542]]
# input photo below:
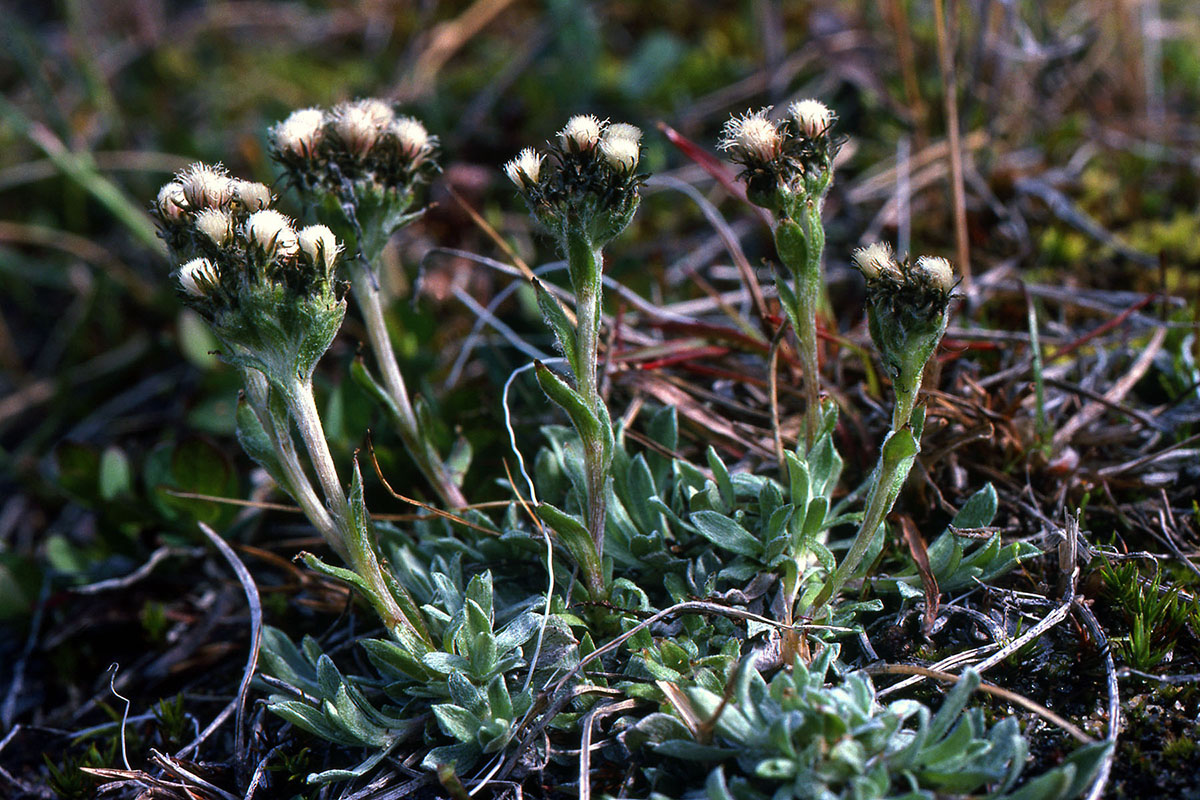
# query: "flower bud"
[[360, 124], [319, 246], [581, 133], [935, 273], [252, 196], [621, 152], [623, 130], [875, 261], [216, 224], [198, 277], [752, 137], [170, 201], [525, 169], [271, 233], [412, 139], [206, 187], [299, 134], [812, 117]]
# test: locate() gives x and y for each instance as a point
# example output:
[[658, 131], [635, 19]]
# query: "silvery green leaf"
[[466, 694], [517, 632], [480, 591], [725, 533], [721, 476], [954, 703], [979, 510], [457, 722], [556, 317]]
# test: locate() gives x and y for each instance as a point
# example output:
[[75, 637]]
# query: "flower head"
[[876, 261], [812, 117], [620, 151], [525, 169], [271, 233], [205, 186], [935, 273], [623, 130], [358, 125], [581, 133], [198, 277], [319, 246], [752, 137], [216, 224], [170, 202], [299, 134], [412, 138], [251, 195]]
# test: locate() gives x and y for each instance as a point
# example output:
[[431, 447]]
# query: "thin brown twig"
[[950, 95], [1005, 694]]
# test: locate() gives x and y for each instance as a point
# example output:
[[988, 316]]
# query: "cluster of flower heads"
[[783, 158], [353, 141], [225, 236], [928, 275], [588, 179], [906, 310]]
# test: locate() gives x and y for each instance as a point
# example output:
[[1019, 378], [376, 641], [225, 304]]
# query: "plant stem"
[[586, 266], [303, 408], [809, 294], [367, 293], [360, 551], [299, 486], [879, 503]]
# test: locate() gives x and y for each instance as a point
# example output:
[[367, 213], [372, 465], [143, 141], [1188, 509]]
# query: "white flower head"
[[252, 196], [271, 233], [752, 136], [621, 152], [206, 186], [623, 130], [170, 201], [812, 117], [299, 134], [360, 124], [934, 272], [216, 224], [319, 246], [412, 138], [581, 133], [525, 169], [875, 261], [198, 277]]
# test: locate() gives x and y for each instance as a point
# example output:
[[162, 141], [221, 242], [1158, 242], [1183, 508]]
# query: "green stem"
[[299, 486], [879, 503], [367, 294], [586, 267], [808, 294], [359, 549]]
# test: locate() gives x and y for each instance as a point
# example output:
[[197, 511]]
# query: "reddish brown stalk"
[[950, 94]]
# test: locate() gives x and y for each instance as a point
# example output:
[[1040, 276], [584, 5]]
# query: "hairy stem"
[[359, 550], [808, 294], [879, 503], [299, 486], [367, 293], [586, 266]]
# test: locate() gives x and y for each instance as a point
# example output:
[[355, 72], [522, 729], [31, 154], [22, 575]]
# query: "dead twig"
[[1005, 694], [247, 580]]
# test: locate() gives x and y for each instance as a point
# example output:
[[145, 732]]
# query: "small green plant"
[[802, 736], [788, 169], [1156, 615], [584, 196], [360, 165], [497, 652]]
